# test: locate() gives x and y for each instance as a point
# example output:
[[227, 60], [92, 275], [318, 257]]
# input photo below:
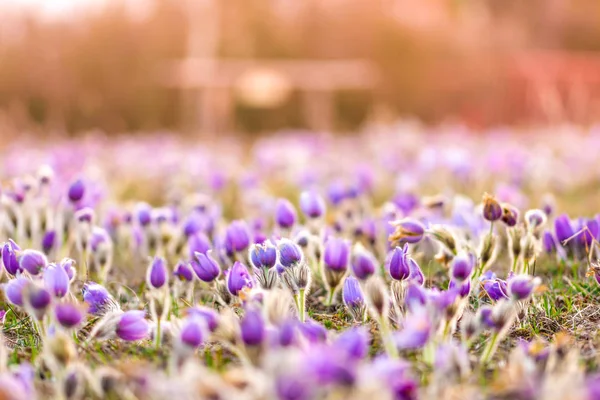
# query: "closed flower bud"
[[237, 237], [191, 334], [312, 204], [56, 280], [285, 213], [9, 257], [49, 241], [69, 315], [290, 254], [184, 272], [398, 263], [521, 287], [407, 231], [263, 255], [252, 327], [444, 236], [206, 267], [33, 261], [238, 278], [132, 326], [563, 228], [37, 299], [492, 210], [461, 268], [157, 274], [353, 298], [76, 191], [363, 263], [143, 214], [13, 290], [336, 254]]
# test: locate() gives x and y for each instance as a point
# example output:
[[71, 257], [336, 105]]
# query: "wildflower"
[[238, 278], [398, 263], [407, 231], [13, 290], [56, 280], [49, 241], [563, 228], [415, 333], [206, 267], [363, 263], [33, 261], [535, 218], [68, 315], [143, 213], [36, 299], [198, 243], [354, 342], [522, 286], [76, 191], [353, 298], [290, 253], [99, 300], [510, 215], [263, 255], [208, 315], [285, 214], [191, 333], [252, 328], [132, 326], [9, 257], [461, 268], [157, 275], [237, 237], [336, 254], [312, 204]]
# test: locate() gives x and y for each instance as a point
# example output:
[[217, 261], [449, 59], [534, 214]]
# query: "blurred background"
[[256, 66]]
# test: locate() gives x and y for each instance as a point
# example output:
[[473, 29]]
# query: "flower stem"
[[490, 349], [301, 305], [157, 339]]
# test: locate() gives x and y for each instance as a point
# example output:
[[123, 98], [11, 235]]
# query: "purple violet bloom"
[[206, 267], [352, 295], [363, 263], [98, 298], [238, 278], [237, 237], [49, 241], [157, 275], [463, 288], [76, 191], [461, 268], [336, 254], [312, 204], [33, 261], [563, 228], [328, 365], [492, 210], [496, 289], [208, 315], [521, 287], [9, 257], [415, 333], [143, 213], [407, 230], [263, 255], [191, 333], [13, 290], [68, 315], [132, 326], [285, 213], [56, 280], [398, 263], [252, 328], [313, 331], [198, 243], [37, 296], [290, 253], [354, 342], [184, 272], [416, 274]]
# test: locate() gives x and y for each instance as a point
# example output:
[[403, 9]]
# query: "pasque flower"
[[206, 267], [76, 191], [184, 272], [98, 299], [461, 267], [56, 280], [252, 328], [237, 237], [33, 261], [492, 210], [397, 263], [132, 326], [285, 213], [263, 255], [68, 315], [290, 254], [191, 333], [312, 204], [238, 278], [157, 275], [336, 254], [13, 290], [9, 257], [407, 230], [363, 263]]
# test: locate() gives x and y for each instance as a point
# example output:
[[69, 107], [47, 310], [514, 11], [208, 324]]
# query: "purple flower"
[[49, 241], [293, 387], [328, 365], [184, 272], [510, 215], [237, 237], [415, 333], [68, 264], [521, 287], [352, 295], [363, 263], [407, 230], [354, 342], [285, 213], [548, 242], [461, 268], [191, 333], [56, 280], [563, 228], [132, 326], [76, 191], [143, 213], [535, 218], [287, 333], [98, 298], [415, 296], [416, 274], [238, 278], [68, 315], [290, 253], [13, 290], [33, 261], [336, 254], [208, 315], [263, 255], [206, 267], [398, 263], [495, 288], [9, 257], [192, 225], [198, 243], [312, 204], [157, 275], [37, 297], [463, 288], [252, 328], [313, 331]]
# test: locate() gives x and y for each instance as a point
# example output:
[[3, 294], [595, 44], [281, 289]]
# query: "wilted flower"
[[492, 210], [510, 215]]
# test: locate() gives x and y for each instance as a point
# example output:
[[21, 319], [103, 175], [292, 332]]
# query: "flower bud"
[[68, 315], [56, 280], [252, 328], [157, 275], [285, 214], [492, 210], [132, 326], [461, 268], [398, 263], [33, 261], [238, 278], [263, 255], [363, 263], [336, 254], [312, 204], [290, 253], [510, 215], [407, 231], [206, 267], [76, 191]]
